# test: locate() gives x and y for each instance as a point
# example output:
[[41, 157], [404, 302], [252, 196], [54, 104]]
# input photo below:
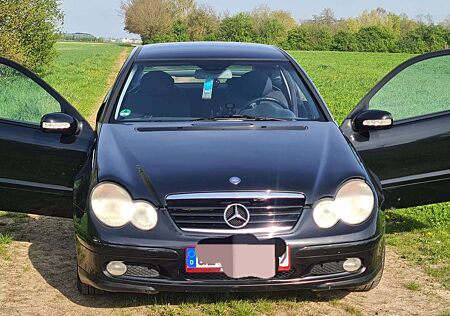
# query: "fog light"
[[352, 264], [116, 268]]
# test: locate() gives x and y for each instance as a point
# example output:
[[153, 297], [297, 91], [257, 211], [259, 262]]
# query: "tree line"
[[30, 28], [372, 31]]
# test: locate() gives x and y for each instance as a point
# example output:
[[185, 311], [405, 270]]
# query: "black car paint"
[[150, 161], [38, 169], [93, 257], [269, 159], [213, 156]]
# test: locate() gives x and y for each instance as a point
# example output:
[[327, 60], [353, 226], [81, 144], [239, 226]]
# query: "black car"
[[218, 167]]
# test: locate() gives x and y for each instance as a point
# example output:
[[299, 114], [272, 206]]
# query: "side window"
[[22, 99], [421, 89]]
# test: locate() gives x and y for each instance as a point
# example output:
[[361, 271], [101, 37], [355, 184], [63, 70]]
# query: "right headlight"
[[353, 205], [114, 207]]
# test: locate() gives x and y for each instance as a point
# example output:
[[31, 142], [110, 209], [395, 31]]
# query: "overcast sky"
[[101, 17]]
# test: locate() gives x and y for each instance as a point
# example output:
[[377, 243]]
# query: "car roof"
[[210, 50]]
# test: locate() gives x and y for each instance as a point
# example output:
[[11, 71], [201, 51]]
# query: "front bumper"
[[93, 258]]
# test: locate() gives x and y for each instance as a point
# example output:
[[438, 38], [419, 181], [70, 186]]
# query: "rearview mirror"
[[59, 123], [213, 74], [372, 120]]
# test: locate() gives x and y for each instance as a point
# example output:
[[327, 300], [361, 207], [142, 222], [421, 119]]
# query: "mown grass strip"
[[81, 71]]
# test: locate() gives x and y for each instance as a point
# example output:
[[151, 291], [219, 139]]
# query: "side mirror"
[[372, 120], [59, 123]]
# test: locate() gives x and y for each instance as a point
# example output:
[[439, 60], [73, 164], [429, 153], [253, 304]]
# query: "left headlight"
[[353, 205], [114, 207]]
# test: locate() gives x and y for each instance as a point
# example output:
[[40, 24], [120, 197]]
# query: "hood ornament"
[[235, 180]]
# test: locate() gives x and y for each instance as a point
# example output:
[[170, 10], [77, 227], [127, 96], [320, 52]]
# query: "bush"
[[298, 39], [412, 42], [272, 32], [237, 28], [28, 31], [435, 36], [309, 38], [374, 31], [375, 39], [345, 41]]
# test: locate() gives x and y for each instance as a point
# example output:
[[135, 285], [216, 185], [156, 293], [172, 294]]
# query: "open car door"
[[411, 154], [44, 143]]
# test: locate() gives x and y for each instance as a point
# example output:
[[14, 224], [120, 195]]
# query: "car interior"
[[182, 92]]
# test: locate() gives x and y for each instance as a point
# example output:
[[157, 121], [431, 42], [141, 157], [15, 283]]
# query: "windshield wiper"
[[240, 117]]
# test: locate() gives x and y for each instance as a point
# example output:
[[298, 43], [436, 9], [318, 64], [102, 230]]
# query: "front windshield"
[[211, 90]]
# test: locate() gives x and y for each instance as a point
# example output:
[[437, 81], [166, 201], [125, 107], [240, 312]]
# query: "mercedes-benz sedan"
[[218, 167]]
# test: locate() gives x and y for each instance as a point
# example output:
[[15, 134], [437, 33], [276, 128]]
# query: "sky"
[[101, 17]]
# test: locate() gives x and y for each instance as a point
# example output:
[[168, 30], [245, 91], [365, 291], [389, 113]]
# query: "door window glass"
[[22, 99], [422, 88]]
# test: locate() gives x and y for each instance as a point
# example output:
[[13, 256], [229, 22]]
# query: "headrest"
[[156, 82], [254, 84]]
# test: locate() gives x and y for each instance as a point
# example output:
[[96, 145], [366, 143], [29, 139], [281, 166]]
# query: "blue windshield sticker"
[[208, 89]]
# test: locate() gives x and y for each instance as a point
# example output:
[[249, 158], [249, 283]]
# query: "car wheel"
[[87, 289], [376, 281]]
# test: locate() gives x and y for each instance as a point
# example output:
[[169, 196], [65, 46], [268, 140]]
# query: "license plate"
[[193, 265]]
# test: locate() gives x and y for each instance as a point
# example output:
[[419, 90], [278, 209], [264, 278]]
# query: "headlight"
[[353, 205], [145, 216], [114, 207]]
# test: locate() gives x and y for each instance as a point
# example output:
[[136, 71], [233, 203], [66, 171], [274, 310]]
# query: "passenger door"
[[411, 158], [39, 160]]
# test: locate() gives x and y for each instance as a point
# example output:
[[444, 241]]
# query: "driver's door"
[[411, 159], [37, 167]]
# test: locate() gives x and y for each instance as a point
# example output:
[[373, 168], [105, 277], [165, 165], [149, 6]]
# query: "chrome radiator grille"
[[207, 212]]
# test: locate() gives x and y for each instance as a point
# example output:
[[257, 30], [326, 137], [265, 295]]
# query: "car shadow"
[[398, 223], [52, 254]]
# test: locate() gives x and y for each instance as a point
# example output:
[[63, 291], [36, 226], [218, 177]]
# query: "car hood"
[[312, 158]]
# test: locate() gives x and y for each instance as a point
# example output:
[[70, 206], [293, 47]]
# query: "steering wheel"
[[249, 105]]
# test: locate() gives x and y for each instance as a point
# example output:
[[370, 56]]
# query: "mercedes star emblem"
[[235, 180], [236, 216]]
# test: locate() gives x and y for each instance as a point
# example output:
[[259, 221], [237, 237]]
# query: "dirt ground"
[[39, 279]]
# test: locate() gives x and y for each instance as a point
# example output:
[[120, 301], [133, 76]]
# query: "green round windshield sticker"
[[125, 113]]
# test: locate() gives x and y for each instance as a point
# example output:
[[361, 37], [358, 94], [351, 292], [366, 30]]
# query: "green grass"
[[344, 78], [80, 74], [229, 304], [81, 71], [422, 235], [5, 240], [413, 286]]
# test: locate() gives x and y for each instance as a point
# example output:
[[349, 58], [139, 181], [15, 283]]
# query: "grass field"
[[344, 78], [79, 73], [421, 235]]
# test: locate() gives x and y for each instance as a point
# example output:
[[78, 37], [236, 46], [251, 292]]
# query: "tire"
[[85, 289], [376, 281]]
